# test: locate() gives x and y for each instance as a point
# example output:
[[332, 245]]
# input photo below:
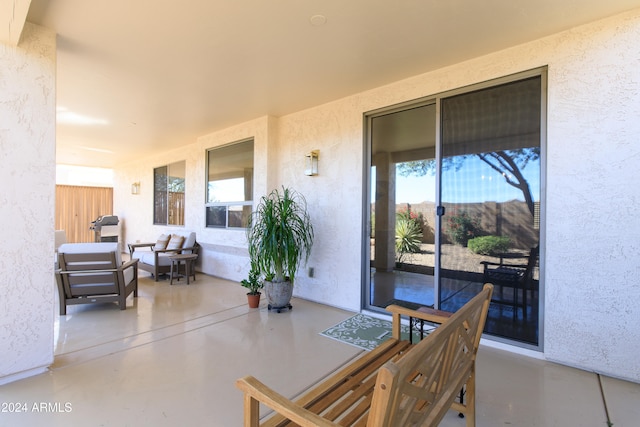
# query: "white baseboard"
[[22, 375]]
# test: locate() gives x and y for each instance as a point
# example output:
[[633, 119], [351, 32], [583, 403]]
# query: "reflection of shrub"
[[463, 227], [489, 245], [408, 237], [408, 214]]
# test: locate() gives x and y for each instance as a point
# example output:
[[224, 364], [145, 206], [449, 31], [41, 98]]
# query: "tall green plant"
[[408, 237], [280, 234]]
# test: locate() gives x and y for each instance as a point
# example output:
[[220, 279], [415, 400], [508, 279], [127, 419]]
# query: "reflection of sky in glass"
[[474, 182], [226, 190]]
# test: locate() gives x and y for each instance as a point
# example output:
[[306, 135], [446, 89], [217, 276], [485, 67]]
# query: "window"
[[168, 194], [229, 185]]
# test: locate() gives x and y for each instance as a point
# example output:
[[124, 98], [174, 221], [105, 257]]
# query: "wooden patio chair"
[[518, 277], [91, 273]]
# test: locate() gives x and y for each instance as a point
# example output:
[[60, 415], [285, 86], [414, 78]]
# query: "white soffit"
[[140, 77]]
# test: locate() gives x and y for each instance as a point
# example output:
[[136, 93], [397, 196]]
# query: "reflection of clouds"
[[226, 190]]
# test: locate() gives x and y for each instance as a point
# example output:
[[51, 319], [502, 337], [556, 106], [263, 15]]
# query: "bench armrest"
[[501, 264], [162, 251], [177, 251], [193, 249], [424, 313], [134, 246], [133, 262], [255, 392]]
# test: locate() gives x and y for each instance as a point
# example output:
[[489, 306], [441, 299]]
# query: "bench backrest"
[[420, 387]]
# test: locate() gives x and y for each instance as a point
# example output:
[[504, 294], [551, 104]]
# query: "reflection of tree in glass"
[[169, 183], [176, 185], [508, 163]]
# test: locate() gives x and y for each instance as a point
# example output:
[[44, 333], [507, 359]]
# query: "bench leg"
[[461, 415], [471, 400], [251, 411]]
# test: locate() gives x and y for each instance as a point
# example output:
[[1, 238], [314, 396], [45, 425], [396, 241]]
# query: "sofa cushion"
[[128, 274], [189, 241], [175, 242], [162, 242], [150, 258]]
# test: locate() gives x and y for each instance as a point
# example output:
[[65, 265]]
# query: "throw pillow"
[[162, 242], [175, 242]]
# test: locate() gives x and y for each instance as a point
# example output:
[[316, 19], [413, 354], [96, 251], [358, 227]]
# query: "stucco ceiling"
[[146, 75]]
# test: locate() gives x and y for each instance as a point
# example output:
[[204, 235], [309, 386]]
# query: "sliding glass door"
[[455, 202], [490, 191], [403, 205]]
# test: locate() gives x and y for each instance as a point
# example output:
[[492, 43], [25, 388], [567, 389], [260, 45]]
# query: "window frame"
[[246, 206]]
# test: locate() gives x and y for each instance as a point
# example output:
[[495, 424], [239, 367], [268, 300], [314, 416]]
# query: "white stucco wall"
[[593, 232], [589, 264], [27, 155]]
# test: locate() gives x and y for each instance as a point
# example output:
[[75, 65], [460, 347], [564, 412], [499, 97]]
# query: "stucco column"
[[28, 141], [385, 212]]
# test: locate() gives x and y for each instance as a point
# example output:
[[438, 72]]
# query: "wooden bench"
[[396, 384]]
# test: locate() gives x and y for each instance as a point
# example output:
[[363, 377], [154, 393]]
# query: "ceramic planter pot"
[[278, 294]]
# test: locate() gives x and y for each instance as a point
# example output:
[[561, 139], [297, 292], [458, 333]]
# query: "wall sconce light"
[[311, 163], [135, 188]]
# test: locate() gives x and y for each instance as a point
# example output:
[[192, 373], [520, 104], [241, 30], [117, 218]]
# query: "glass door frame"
[[366, 179]]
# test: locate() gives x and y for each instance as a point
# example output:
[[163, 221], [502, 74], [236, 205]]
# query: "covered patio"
[[172, 357]]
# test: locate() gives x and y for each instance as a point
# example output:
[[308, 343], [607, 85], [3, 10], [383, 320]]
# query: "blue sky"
[[474, 182]]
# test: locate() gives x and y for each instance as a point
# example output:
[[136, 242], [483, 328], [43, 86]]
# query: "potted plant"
[[254, 284], [280, 236]]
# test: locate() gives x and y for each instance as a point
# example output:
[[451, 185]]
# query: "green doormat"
[[365, 332]]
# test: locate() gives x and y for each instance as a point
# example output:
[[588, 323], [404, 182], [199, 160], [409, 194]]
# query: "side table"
[[189, 268]]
